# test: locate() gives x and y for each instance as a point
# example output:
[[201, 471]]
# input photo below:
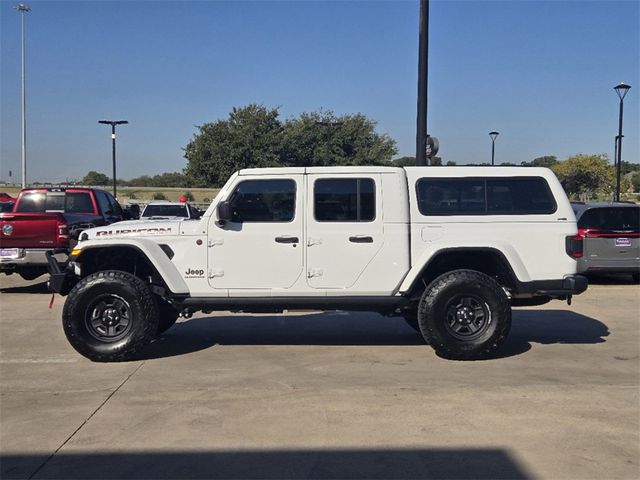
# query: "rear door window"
[[103, 201], [344, 200]]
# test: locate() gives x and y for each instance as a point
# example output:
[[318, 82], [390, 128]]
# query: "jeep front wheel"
[[464, 315], [109, 315]]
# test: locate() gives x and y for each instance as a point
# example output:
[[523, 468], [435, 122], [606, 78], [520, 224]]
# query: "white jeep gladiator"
[[451, 249]]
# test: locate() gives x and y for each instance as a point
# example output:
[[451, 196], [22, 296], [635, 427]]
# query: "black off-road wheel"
[[464, 315], [109, 315], [167, 316]]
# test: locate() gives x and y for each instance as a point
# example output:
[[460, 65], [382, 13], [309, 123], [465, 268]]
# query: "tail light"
[[595, 233], [574, 245], [62, 234]]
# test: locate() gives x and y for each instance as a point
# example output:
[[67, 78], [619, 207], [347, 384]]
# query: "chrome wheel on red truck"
[[109, 315]]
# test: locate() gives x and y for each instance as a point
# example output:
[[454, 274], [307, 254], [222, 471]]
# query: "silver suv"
[[610, 232]]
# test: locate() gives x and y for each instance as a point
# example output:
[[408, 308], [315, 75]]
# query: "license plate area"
[[9, 253], [623, 242]]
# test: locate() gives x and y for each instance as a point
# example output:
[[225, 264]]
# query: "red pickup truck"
[[50, 218]]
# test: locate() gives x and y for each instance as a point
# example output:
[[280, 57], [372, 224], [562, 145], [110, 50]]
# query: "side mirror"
[[225, 213]]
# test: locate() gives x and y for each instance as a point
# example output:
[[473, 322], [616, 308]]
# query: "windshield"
[[625, 219], [165, 211]]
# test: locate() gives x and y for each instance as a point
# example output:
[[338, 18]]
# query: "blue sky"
[[539, 72]]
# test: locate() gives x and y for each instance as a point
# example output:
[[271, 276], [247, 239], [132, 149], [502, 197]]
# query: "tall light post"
[[621, 89], [22, 9], [113, 124], [493, 136]]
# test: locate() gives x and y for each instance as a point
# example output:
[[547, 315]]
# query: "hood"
[[133, 228]]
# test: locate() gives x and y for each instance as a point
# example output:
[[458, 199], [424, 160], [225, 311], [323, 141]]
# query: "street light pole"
[[113, 124], [621, 89], [22, 9], [493, 136]]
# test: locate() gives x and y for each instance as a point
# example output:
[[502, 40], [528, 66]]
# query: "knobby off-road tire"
[[109, 315], [167, 316], [464, 315]]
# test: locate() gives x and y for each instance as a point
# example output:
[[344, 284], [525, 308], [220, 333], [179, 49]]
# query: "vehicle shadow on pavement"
[[328, 328], [550, 327], [361, 328], [40, 287], [440, 463], [611, 280]]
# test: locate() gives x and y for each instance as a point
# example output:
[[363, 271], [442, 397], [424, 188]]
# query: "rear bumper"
[[563, 288], [609, 266], [31, 257]]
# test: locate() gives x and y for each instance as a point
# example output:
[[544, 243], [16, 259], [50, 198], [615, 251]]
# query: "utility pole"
[[423, 70]]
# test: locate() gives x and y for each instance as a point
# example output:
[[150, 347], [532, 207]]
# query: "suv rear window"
[[67, 202], [485, 196], [165, 210], [611, 219]]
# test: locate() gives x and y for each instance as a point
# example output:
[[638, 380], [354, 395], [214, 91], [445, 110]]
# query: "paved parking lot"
[[324, 395]]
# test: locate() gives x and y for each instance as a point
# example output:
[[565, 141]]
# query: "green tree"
[[322, 138], [547, 161], [95, 178], [159, 196], [250, 137], [188, 196], [635, 181], [628, 167], [405, 162], [586, 177], [254, 136]]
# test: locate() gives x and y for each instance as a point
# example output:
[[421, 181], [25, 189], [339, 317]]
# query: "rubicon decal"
[[191, 273], [124, 231]]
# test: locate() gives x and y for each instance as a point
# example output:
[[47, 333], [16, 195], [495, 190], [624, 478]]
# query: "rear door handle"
[[361, 239], [287, 240]]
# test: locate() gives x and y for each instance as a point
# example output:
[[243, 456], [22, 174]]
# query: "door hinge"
[[218, 272], [214, 242], [313, 241], [314, 272]]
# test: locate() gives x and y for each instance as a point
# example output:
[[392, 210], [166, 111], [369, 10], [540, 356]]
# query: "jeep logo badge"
[[191, 273]]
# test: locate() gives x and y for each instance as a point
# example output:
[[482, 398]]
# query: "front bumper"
[[61, 278]]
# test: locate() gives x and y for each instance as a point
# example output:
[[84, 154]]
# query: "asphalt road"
[[325, 395]]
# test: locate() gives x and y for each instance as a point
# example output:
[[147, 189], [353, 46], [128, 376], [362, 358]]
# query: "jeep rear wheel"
[[109, 315], [464, 314]]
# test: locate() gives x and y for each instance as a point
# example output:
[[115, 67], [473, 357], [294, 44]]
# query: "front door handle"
[[361, 239], [287, 240]]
